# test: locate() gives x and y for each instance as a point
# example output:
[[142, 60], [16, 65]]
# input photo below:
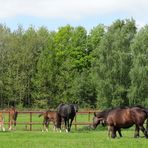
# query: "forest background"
[[104, 67]]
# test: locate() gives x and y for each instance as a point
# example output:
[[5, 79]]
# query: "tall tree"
[[45, 87], [138, 92], [5, 37], [113, 62]]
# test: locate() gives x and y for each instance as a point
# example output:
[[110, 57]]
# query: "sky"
[[56, 13]]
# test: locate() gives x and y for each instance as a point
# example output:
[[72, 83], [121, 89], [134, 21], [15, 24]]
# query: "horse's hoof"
[[136, 136], [146, 137]]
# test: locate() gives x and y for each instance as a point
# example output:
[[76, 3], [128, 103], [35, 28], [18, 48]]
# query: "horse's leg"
[[2, 126], [14, 125], [10, 125], [109, 130], [46, 126], [58, 122], [44, 123], [66, 121], [43, 127], [113, 131], [119, 132], [54, 126], [143, 130], [70, 123], [136, 131]]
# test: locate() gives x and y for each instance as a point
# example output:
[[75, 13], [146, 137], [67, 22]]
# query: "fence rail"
[[31, 122]]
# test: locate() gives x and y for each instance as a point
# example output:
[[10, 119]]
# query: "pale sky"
[[56, 13]]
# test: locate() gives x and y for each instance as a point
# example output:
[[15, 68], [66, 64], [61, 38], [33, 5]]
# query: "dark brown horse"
[[100, 118], [66, 112], [122, 118], [48, 116]]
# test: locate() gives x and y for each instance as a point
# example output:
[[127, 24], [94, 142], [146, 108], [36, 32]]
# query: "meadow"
[[83, 137], [75, 139]]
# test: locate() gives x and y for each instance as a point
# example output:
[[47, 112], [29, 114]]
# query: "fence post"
[[9, 120], [76, 122], [30, 121], [88, 116]]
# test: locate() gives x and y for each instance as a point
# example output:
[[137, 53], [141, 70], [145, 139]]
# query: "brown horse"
[[123, 118], [2, 122], [12, 117], [101, 117], [48, 116]]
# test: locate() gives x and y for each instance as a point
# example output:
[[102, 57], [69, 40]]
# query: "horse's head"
[[76, 107], [97, 119]]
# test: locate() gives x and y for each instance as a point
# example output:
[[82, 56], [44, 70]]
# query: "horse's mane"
[[105, 112]]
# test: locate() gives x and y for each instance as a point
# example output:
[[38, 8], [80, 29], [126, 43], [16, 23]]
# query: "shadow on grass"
[[5, 131], [88, 129]]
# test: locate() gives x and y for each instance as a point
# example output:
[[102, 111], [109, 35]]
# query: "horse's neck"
[[105, 114]]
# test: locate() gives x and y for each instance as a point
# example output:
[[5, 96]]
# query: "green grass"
[[75, 139]]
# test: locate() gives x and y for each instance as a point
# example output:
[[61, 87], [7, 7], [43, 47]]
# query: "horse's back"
[[120, 117], [126, 117], [66, 110], [51, 115]]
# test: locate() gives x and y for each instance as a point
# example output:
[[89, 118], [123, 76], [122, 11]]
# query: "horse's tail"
[[58, 120], [146, 111], [147, 125], [15, 117]]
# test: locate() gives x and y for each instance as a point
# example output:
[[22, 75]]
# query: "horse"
[[47, 117], [125, 117], [101, 117], [2, 122], [13, 113], [66, 112]]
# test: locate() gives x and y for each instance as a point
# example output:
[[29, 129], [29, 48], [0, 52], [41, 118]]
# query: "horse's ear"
[[95, 114]]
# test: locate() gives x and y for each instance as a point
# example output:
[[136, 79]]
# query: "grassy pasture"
[[75, 139], [83, 137]]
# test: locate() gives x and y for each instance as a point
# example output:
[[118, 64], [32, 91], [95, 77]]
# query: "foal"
[[12, 117], [2, 122], [49, 116]]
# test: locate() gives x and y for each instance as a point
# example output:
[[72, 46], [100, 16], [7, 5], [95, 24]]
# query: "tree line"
[[103, 67]]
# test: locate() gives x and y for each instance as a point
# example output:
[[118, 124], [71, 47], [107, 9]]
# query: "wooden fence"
[[31, 122]]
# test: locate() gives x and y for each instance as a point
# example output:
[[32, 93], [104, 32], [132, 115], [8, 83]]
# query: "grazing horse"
[[125, 117], [47, 117], [2, 122], [101, 117], [66, 112], [12, 117]]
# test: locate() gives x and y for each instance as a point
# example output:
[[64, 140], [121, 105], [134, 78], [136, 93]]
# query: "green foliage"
[[112, 65], [139, 72], [105, 67]]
